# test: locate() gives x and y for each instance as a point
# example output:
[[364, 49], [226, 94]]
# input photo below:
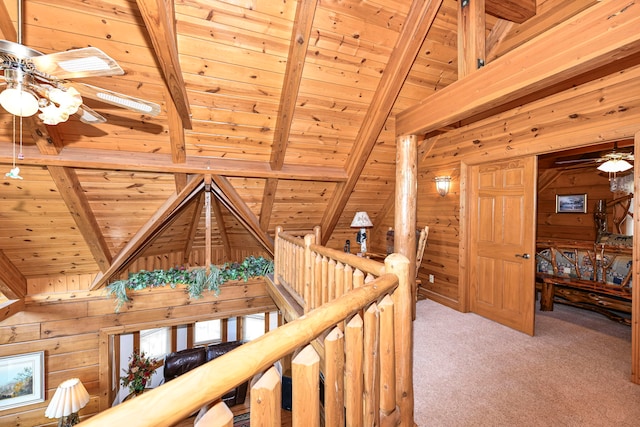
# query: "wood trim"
[[7, 30], [566, 52], [268, 197], [222, 228]]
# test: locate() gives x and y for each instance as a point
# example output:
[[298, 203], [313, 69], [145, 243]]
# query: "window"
[[155, 342], [207, 331], [253, 326]]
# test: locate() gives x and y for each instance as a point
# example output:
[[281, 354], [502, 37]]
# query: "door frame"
[[463, 259]]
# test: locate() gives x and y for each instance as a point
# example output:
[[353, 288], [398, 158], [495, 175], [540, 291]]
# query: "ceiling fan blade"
[[89, 116], [566, 162], [118, 99], [77, 63]]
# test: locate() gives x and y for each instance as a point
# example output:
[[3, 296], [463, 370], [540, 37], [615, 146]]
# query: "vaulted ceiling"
[[283, 111]]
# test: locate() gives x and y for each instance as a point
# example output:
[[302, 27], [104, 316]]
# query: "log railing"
[[367, 360]]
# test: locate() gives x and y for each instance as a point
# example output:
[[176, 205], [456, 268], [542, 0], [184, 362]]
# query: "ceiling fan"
[[611, 158], [38, 82]]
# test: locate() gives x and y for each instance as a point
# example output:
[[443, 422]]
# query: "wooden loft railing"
[[366, 351]]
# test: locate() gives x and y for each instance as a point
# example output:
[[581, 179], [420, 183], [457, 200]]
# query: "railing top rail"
[[363, 264], [211, 380]]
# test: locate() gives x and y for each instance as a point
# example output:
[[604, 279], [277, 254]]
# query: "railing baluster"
[[218, 416], [334, 378], [387, 358], [371, 400], [266, 400], [305, 370], [353, 371]]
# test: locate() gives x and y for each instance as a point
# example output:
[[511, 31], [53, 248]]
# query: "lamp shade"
[[615, 165], [442, 184], [361, 220], [70, 397]]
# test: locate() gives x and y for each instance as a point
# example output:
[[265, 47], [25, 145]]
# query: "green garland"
[[196, 280]]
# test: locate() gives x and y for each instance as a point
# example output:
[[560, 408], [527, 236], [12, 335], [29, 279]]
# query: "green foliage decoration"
[[196, 280]]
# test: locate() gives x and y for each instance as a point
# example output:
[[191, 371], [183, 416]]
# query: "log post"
[[403, 321], [405, 206]]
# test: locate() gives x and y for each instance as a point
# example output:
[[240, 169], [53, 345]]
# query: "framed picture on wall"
[[571, 203], [21, 380]]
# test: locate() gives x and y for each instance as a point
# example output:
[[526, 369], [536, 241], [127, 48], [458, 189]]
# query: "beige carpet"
[[469, 371]]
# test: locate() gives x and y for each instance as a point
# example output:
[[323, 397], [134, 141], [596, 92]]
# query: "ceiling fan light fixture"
[[615, 166], [19, 101]]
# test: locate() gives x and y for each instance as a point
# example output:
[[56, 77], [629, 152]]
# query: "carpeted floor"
[[470, 371]]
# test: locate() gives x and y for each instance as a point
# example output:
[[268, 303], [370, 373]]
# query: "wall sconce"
[[442, 184], [361, 220], [69, 398]]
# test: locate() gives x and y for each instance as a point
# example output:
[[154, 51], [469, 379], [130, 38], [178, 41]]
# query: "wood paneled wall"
[[66, 326], [576, 226], [604, 110]]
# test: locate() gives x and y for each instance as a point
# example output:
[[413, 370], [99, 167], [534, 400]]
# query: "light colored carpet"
[[470, 371]]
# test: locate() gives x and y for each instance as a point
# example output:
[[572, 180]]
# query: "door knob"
[[525, 256]]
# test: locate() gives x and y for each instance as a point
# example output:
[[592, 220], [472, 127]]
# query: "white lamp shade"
[[361, 220], [615, 165], [18, 102], [70, 397]]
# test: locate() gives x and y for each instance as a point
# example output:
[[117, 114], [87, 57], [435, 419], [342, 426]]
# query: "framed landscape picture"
[[21, 380], [571, 203]]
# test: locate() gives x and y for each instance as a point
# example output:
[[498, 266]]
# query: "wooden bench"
[[586, 275]]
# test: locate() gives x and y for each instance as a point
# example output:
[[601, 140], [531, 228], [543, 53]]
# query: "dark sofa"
[[179, 362]]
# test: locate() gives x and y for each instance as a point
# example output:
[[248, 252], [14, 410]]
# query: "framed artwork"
[[21, 380], [571, 203]]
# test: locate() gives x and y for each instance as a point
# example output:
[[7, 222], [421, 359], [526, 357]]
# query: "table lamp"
[[69, 398], [361, 220]]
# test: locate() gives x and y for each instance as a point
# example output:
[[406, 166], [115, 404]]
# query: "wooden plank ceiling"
[[284, 110]]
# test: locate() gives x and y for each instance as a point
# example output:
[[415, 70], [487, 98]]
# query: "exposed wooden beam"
[[12, 283], [415, 29], [471, 37], [298, 45], [230, 198], [47, 138], [71, 192], [268, 198], [193, 226], [222, 228], [558, 55], [498, 33], [7, 29], [162, 163], [181, 180], [159, 24], [207, 221], [176, 133], [512, 10], [9, 308], [148, 230]]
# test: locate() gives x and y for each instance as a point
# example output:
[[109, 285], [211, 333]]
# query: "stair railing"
[[367, 360]]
